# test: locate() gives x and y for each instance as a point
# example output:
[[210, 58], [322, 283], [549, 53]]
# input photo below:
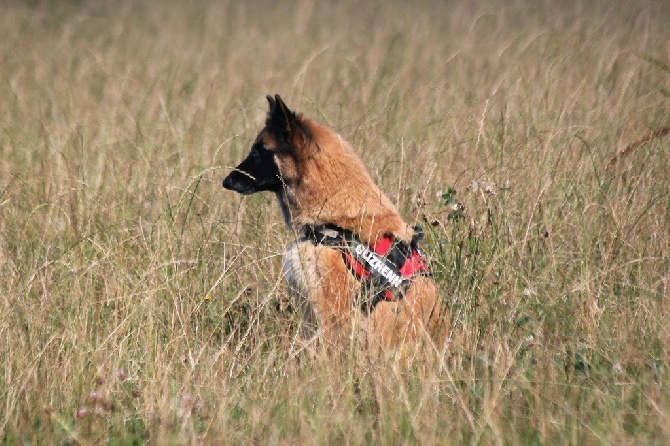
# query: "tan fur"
[[330, 296], [335, 188], [325, 182]]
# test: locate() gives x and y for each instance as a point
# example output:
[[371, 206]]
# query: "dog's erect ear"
[[282, 121], [288, 127], [288, 114], [271, 103]]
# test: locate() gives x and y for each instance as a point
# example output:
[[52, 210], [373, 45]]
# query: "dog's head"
[[276, 154]]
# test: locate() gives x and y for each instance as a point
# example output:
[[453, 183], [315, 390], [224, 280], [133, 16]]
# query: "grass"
[[143, 303]]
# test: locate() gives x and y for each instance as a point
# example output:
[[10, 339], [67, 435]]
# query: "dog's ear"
[[271, 103], [280, 119], [277, 120], [288, 114], [284, 123]]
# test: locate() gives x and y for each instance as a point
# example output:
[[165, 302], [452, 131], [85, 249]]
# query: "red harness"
[[387, 267], [412, 266]]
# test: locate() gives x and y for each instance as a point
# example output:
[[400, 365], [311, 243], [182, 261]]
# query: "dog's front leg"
[[323, 287], [300, 272]]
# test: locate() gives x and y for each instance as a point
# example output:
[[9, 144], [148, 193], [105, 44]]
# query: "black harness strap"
[[386, 277]]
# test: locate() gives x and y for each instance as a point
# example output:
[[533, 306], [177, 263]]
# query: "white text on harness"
[[378, 264]]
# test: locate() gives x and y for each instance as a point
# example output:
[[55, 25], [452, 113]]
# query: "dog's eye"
[[261, 153], [257, 151]]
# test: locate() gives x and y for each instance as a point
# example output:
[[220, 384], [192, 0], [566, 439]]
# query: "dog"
[[355, 258]]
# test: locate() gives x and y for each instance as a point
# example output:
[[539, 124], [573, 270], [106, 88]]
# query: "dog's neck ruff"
[[387, 268]]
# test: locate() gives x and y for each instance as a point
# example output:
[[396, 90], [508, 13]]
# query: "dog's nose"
[[228, 183]]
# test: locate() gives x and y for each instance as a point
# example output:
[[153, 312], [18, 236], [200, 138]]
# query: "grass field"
[[141, 302]]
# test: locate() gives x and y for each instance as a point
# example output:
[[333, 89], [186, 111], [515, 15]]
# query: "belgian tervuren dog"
[[354, 259]]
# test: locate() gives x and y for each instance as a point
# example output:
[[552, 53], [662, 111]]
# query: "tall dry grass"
[[143, 303]]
